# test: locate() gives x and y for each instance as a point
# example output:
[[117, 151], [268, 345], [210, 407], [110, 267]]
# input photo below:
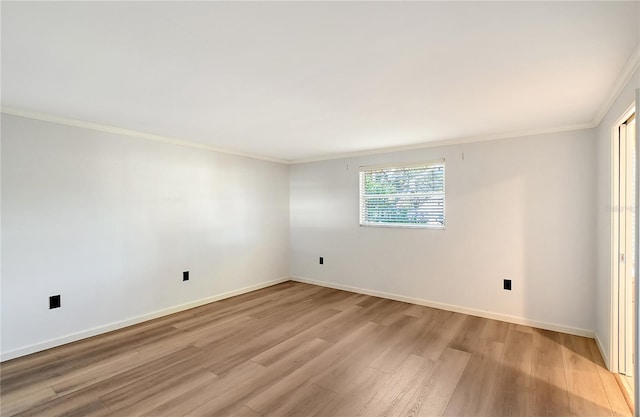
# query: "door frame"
[[615, 203]]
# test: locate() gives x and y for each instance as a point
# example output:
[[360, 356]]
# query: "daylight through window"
[[404, 195]]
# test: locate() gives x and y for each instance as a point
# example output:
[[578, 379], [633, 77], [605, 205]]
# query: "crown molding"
[[197, 145], [448, 142], [633, 63], [132, 133]]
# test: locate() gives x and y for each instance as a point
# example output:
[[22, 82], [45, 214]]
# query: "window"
[[403, 196]]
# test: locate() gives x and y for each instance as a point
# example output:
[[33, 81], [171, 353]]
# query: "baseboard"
[[455, 308], [603, 352], [4, 356]]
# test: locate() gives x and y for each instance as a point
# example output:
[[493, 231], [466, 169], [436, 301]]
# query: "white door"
[[626, 244]]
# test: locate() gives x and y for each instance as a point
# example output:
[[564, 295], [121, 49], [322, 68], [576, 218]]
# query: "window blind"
[[411, 195]]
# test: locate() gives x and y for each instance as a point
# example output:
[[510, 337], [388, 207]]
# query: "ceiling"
[[304, 80]]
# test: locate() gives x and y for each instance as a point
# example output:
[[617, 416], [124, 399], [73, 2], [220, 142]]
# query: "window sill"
[[403, 226]]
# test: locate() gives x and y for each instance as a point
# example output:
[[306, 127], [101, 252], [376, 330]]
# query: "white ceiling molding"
[[192, 144], [131, 133], [448, 142], [625, 76]]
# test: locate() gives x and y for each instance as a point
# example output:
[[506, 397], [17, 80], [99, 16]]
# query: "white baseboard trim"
[[603, 352], [4, 356], [451, 307]]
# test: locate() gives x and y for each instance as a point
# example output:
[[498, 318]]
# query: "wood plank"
[[388, 400], [304, 401], [473, 392], [272, 397], [299, 349], [160, 383], [25, 399], [430, 397], [510, 396], [274, 353], [587, 396], [468, 334], [141, 400], [204, 399], [363, 387], [438, 338], [244, 411], [88, 399], [549, 395], [617, 399], [239, 350], [405, 342], [97, 372], [495, 331], [340, 376], [233, 388]]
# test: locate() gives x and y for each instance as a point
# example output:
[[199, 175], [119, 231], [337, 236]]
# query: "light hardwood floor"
[[301, 350]]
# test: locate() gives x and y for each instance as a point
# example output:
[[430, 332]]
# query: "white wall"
[[110, 222], [518, 208], [603, 287]]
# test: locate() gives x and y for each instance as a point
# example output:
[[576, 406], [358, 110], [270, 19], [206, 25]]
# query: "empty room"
[[319, 208]]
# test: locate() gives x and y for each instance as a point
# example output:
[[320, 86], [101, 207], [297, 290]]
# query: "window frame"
[[426, 164]]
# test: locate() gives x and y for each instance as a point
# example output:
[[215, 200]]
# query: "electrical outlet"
[[54, 302], [507, 284], [185, 276], [321, 260]]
